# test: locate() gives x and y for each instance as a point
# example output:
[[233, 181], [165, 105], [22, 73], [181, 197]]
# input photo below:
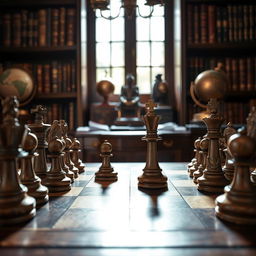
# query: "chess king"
[[152, 177], [15, 205]]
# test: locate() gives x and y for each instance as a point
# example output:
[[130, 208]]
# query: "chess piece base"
[[57, 185], [81, 168], [106, 174], [196, 175], [152, 181], [236, 212], [229, 173], [13, 212], [191, 171], [70, 175], [212, 183]]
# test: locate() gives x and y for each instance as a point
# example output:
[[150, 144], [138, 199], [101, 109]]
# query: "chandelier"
[[128, 5]]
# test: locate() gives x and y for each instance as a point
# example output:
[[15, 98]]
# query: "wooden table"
[[119, 220]]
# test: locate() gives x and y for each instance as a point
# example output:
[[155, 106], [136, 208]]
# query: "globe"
[[17, 82], [211, 84], [105, 88]]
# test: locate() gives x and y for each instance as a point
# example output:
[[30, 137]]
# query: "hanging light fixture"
[[128, 5]]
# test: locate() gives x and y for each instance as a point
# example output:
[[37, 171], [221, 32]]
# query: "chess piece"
[[15, 205], [64, 167], [106, 171], [39, 128], [203, 151], [238, 204], [75, 155], [27, 176], [196, 163], [56, 179], [67, 149], [213, 179], [160, 91], [228, 167], [152, 177]]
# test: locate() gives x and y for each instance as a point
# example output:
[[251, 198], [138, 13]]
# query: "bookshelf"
[[219, 31], [44, 38]]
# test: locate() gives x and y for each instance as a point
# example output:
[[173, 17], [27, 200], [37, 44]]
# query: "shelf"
[[63, 95], [38, 49], [26, 3]]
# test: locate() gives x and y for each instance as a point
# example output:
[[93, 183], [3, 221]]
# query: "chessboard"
[[119, 219]]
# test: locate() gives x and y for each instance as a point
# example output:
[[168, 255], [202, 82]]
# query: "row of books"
[[63, 111], [241, 72], [234, 112], [51, 77], [213, 23], [44, 27]]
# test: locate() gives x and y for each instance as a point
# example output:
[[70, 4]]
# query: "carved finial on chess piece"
[[76, 147], [228, 167], [27, 176], [15, 205], [68, 150], [39, 128], [213, 179], [56, 179], [203, 145], [106, 171], [238, 204], [152, 177], [64, 166]]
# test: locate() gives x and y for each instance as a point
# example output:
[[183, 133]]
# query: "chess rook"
[[213, 179], [56, 179], [152, 177], [15, 205], [27, 176], [106, 171], [238, 204], [39, 128]]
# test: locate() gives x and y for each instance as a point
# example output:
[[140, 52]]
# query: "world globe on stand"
[[17, 82]]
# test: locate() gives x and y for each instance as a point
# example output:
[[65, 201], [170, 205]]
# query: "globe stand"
[[213, 179]]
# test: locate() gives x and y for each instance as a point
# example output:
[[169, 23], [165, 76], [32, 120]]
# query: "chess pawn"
[[27, 176], [238, 203], [39, 128], [67, 149], [152, 177], [56, 179], [196, 164], [106, 171], [64, 167], [204, 151], [213, 179], [15, 205], [75, 155]]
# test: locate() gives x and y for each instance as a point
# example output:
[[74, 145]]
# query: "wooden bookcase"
[[44, 38], [219, 31]]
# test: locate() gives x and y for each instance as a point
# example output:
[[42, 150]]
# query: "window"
[[135, 45]]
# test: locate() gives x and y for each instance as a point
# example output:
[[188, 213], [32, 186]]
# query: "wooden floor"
[[94, 219]]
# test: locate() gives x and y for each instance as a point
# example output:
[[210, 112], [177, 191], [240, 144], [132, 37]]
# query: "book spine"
[[73, 76], [70, 27], [250, 74], [211, 24], [62, 26], [219, 24], [55, 27], [235, 22], [230, 24], [47, 82], [7, 30], [251, 23], [16, 29], [224, 25], [39, 79], [35, 29], [24, 28], [204, 27], [246, 22], [30, 28], [42, 27], [55, 87]]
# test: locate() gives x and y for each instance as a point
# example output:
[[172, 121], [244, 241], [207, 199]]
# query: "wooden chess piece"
[[56, 179], [106, 171], [39, 128], [228, 167], [238, 204], [64, 167], [204, 151], [152, 177], [213, 179], [15, 205], [27, 176], [67, 149], [196, 164], [75, 155]]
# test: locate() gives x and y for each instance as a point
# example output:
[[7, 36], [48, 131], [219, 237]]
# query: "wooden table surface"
[[118, 219]]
